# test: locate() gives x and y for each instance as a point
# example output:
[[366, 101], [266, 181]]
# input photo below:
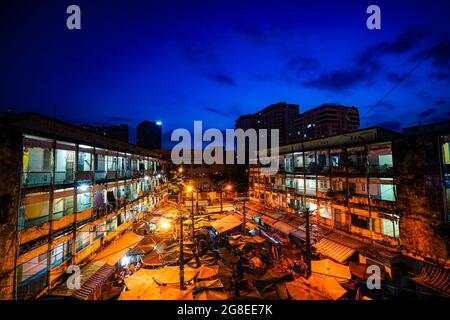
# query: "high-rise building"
[[279, 116], [149, 135], [326, 120], [119, 132]]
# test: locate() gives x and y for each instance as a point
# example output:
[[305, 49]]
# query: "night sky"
[[180, 61]]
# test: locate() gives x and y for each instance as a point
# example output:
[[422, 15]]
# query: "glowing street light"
[[165, 225]]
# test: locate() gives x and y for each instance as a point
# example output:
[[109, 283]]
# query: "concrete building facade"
[[65, 194]]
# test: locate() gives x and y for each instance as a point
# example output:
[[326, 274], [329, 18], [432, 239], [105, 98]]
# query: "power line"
[[407, 75]]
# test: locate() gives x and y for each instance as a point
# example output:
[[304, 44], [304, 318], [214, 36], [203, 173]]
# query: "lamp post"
[[182, 286], [308, 244], [228, 187], [191, 189]]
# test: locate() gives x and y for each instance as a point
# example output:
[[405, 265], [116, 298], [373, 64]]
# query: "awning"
[[300, 234], [116, 250], [94, 283], [268, 220], [435, 278], [225, 224], [334, 250], [283, 227], [327, 267]]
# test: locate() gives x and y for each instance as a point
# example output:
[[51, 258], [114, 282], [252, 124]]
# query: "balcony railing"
[[100, 175], [381, 171], [63, 177], [33, 285], [35, 179]]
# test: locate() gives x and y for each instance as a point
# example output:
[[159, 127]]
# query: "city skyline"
[[131, 64]]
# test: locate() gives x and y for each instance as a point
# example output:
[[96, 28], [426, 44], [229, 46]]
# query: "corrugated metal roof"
[[334, 250], [435, 278]]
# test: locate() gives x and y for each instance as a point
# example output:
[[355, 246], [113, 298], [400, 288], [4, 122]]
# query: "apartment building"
[[371, 191], [326, 120], [65, 194]]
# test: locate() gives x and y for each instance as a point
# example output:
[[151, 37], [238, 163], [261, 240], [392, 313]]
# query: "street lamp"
[[227, 188]]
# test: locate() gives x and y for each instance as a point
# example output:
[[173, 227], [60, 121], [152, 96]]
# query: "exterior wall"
[[47, 236], [421, 199], [361, 193], [10, 154]]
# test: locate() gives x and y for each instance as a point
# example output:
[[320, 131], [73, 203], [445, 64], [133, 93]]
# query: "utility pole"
[[221, 206], [182, 286], [245, 218], [308, 245], [197, 259]]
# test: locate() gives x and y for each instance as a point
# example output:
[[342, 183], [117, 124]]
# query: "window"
[[65, 166], [111, 224], [32, 275], [34, 213], [325, 212], [61, 253], [99, 230], [62, 207], [83, 240], [83, 201], [360, 221], [84, 161]]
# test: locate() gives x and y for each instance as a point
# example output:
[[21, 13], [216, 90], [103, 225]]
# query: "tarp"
[[315, 288], [116, 250], [328, 267], [152, 291], [202, 224], [145, 245], [225, 208], [210, 290], [300, 234], [225, 224], [333, 250], [152, 260], [268, 220], [206, 272], [283, 227], [171, 275], [270, 278]]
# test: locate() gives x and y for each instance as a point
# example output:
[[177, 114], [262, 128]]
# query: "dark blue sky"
[[180, 61]]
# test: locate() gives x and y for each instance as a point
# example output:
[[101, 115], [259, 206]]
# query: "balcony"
[[100, 175], [357, 169], [64, 177], [37, 179], [111, 175], [33, 285], [84, 175], [381, 171]]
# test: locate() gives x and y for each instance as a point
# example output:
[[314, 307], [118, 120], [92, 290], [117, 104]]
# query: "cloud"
[[340, 79], [406, 41], [426, 113], [224, 112], [367, 64], [391, 125], [301, 65], [440, 102], [220, 78], [257, 34], [440, 76]]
